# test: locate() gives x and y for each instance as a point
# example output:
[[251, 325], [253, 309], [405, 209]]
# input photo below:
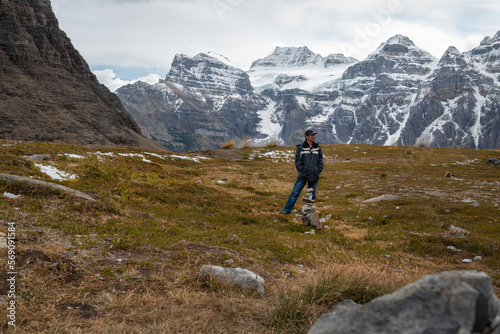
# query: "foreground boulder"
[[243, 277], [451, 302]]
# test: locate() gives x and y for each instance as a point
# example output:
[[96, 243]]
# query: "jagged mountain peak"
[[338, 58], [488, 55], [220, 58], [207, 58], [401, 46], [489, 40], [209, 72], [400, 39], [397, 55], [289, 56], [450, 56], [287, 49], [451, 61], [452, 50], [292, 51]]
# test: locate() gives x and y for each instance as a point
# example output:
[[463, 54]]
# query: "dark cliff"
[[47, 91]]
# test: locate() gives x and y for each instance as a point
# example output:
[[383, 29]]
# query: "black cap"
[[310, 132]]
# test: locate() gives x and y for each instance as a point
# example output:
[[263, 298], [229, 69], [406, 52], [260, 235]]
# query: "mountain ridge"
[[398, 95]]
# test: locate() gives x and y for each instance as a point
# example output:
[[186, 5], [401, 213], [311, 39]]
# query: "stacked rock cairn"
[[309, 215]]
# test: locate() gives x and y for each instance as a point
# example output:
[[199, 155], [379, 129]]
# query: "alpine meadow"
[[127, 259]]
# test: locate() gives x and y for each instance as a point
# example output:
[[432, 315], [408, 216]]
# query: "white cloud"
[[148, 34], [108, 78]]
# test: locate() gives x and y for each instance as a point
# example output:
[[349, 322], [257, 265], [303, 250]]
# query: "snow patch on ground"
[[182, 157], [135, 155], [279, 156], [55, 174], [73, 156], [11, 196], [197, 159]]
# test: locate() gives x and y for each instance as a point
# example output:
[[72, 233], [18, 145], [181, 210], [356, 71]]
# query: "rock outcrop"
[[456, 302], [21, 179], [47, 91]]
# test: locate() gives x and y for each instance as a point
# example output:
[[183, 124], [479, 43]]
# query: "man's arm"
[[298, 159], [320, 161]]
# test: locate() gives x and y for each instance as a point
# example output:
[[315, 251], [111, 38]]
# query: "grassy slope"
[[129, 262]]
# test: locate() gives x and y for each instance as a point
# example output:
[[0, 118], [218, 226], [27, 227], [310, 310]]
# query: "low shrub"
[[228, 144]]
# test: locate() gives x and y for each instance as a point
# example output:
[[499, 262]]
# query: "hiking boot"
[[283, 212]]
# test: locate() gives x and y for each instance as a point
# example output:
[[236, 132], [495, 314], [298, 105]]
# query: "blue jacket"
[[309, 161]]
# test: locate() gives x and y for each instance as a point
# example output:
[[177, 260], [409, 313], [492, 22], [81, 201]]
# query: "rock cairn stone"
[[309, 215]]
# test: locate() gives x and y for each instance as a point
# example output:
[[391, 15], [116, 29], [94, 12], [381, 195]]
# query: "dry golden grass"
[[129, 262]]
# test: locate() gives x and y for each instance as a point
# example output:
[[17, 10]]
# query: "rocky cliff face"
[[208, 73], [459, 104], [399, 95], [47, 91], [202, 103]]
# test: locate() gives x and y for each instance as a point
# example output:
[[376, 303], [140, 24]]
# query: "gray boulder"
[[493, 162], [243, 277], [449, 302], [344, 305]]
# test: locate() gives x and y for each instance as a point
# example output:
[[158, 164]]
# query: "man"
[[309, 164]]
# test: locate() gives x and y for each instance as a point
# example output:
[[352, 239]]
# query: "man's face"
[[311, 137]]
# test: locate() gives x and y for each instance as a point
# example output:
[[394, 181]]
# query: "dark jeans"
[[297, 188]]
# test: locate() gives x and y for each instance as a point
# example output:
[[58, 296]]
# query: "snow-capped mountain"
[[208, 72], [371, 101], [399, 95], [459, 104], [297, 68]]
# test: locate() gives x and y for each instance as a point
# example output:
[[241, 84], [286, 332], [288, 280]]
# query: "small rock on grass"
[[243, 277]]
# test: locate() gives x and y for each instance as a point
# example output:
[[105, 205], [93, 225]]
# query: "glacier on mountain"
[[308, 71]]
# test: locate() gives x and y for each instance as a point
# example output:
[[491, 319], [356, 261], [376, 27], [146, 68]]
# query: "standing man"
[[309, 164]]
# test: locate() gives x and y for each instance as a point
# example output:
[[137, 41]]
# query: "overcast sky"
[[129, 39]]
